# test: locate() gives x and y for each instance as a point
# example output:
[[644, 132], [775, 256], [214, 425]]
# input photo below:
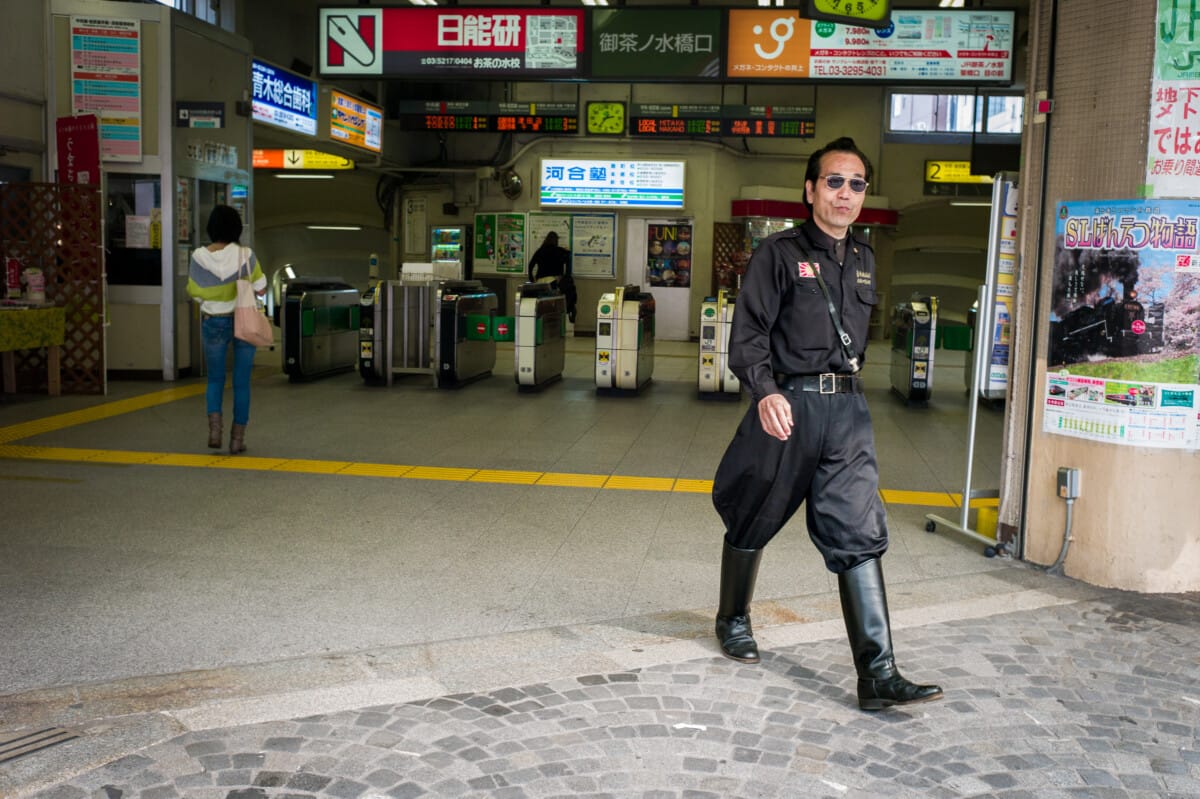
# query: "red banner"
[[78, 149]]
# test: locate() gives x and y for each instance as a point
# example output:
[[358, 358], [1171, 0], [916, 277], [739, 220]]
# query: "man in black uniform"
[[807, 436]]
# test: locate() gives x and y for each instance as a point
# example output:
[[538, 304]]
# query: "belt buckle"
[[831, 377]]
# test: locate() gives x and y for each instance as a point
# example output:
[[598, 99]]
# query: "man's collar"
[[818, 237]]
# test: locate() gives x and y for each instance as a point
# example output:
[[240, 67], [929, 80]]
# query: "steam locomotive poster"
[[1124, 359]]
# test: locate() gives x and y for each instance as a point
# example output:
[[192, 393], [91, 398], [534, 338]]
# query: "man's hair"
[[224, 225], [843, 145]]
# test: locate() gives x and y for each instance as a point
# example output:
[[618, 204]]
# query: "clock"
[[606, 118], [868, 13]]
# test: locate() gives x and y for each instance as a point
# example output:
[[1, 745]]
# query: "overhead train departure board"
[[761, 121], [490, 117]]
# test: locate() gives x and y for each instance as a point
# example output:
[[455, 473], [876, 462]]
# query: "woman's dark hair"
[[224, 225], [843, 145], [551, 239]]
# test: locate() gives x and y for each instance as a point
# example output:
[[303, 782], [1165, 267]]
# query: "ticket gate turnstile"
[[466, 351], [624, 339], [914, 331], [319, 324], [540, 346], [396, 325], [716, 381]]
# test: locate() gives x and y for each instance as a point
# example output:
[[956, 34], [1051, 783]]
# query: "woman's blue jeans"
[[217, 333]]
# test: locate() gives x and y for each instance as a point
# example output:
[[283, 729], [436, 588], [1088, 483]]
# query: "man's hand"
[[775, 416]]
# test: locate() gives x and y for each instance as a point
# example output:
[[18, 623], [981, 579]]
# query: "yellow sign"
[[952, 172], [299, 159]]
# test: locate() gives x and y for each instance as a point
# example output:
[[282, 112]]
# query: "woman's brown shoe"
[[214, 430], [237, 439]]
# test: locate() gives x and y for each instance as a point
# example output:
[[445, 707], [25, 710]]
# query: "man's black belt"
[[827, 383]]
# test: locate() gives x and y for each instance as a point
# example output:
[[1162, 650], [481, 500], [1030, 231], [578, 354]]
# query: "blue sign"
[[284, 99]]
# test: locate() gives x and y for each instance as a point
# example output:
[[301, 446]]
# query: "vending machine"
[[452, 243]]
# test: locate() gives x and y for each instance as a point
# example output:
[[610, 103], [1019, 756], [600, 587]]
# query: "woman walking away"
[[212, 282]]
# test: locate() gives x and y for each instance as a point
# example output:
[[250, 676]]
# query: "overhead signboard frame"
[[484, 43], [656, 44], [283, 99], [611, 183], [354, 121], [919, 46]]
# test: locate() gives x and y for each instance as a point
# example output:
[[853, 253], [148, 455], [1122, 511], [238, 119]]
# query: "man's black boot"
[[739, 570], [864, 608]]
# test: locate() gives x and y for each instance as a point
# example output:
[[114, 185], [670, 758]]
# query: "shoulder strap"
[[843, 336]]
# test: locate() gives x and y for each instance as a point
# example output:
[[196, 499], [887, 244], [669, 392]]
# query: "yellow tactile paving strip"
[[106, 410]]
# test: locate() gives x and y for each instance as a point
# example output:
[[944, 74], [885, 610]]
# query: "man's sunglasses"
[[857, 185]]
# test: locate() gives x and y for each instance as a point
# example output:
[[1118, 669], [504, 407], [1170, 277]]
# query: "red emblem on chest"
[[808, 269]]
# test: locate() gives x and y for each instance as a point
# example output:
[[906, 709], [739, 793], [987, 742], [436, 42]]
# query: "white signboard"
[[609, 183]]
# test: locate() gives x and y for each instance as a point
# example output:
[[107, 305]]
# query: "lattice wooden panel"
[[57, 229], [729, 244]]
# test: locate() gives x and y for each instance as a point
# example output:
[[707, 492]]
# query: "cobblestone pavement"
[[1097, 698]]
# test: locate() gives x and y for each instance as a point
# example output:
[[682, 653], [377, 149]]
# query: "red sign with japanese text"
[[453, 41], [78, 149]]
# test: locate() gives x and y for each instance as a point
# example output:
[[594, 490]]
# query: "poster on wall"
[[106, 80], [1124, 351], [1172, 160], [594, 240], [500, 244], [669, 254], [416, 222], [539, 225]]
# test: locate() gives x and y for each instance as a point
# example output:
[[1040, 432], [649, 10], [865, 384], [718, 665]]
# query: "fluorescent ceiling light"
[[950, 4], [304, 176], [972, 203], [334, 227]]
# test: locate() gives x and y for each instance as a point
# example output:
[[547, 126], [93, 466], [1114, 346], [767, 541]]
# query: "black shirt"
[[549, 262], [781, 322]]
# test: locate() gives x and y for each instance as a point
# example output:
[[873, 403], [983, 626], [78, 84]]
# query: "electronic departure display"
[[487, 117], [794, 122]]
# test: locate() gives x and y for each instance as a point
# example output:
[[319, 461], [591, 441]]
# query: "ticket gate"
[[466, 350], [624, 339], [914, 330], [540, 347], [716, 381], [396, 330], [319, 325]]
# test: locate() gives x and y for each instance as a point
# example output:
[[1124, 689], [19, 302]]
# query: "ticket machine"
[[624, 339], [540, 347], [716, 381]]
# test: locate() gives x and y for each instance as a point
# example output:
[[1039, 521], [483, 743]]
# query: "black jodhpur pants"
[[828, 463]]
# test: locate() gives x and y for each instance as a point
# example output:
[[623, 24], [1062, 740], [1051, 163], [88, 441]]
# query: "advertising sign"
[[283, 99], [669, 254], [655, 44], [106, 79], [500, 243], [918, 46], [355, 122], [611, 183], [452, 41], [298, 159], [1172, 161], [78, 148], [1124, 352]]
